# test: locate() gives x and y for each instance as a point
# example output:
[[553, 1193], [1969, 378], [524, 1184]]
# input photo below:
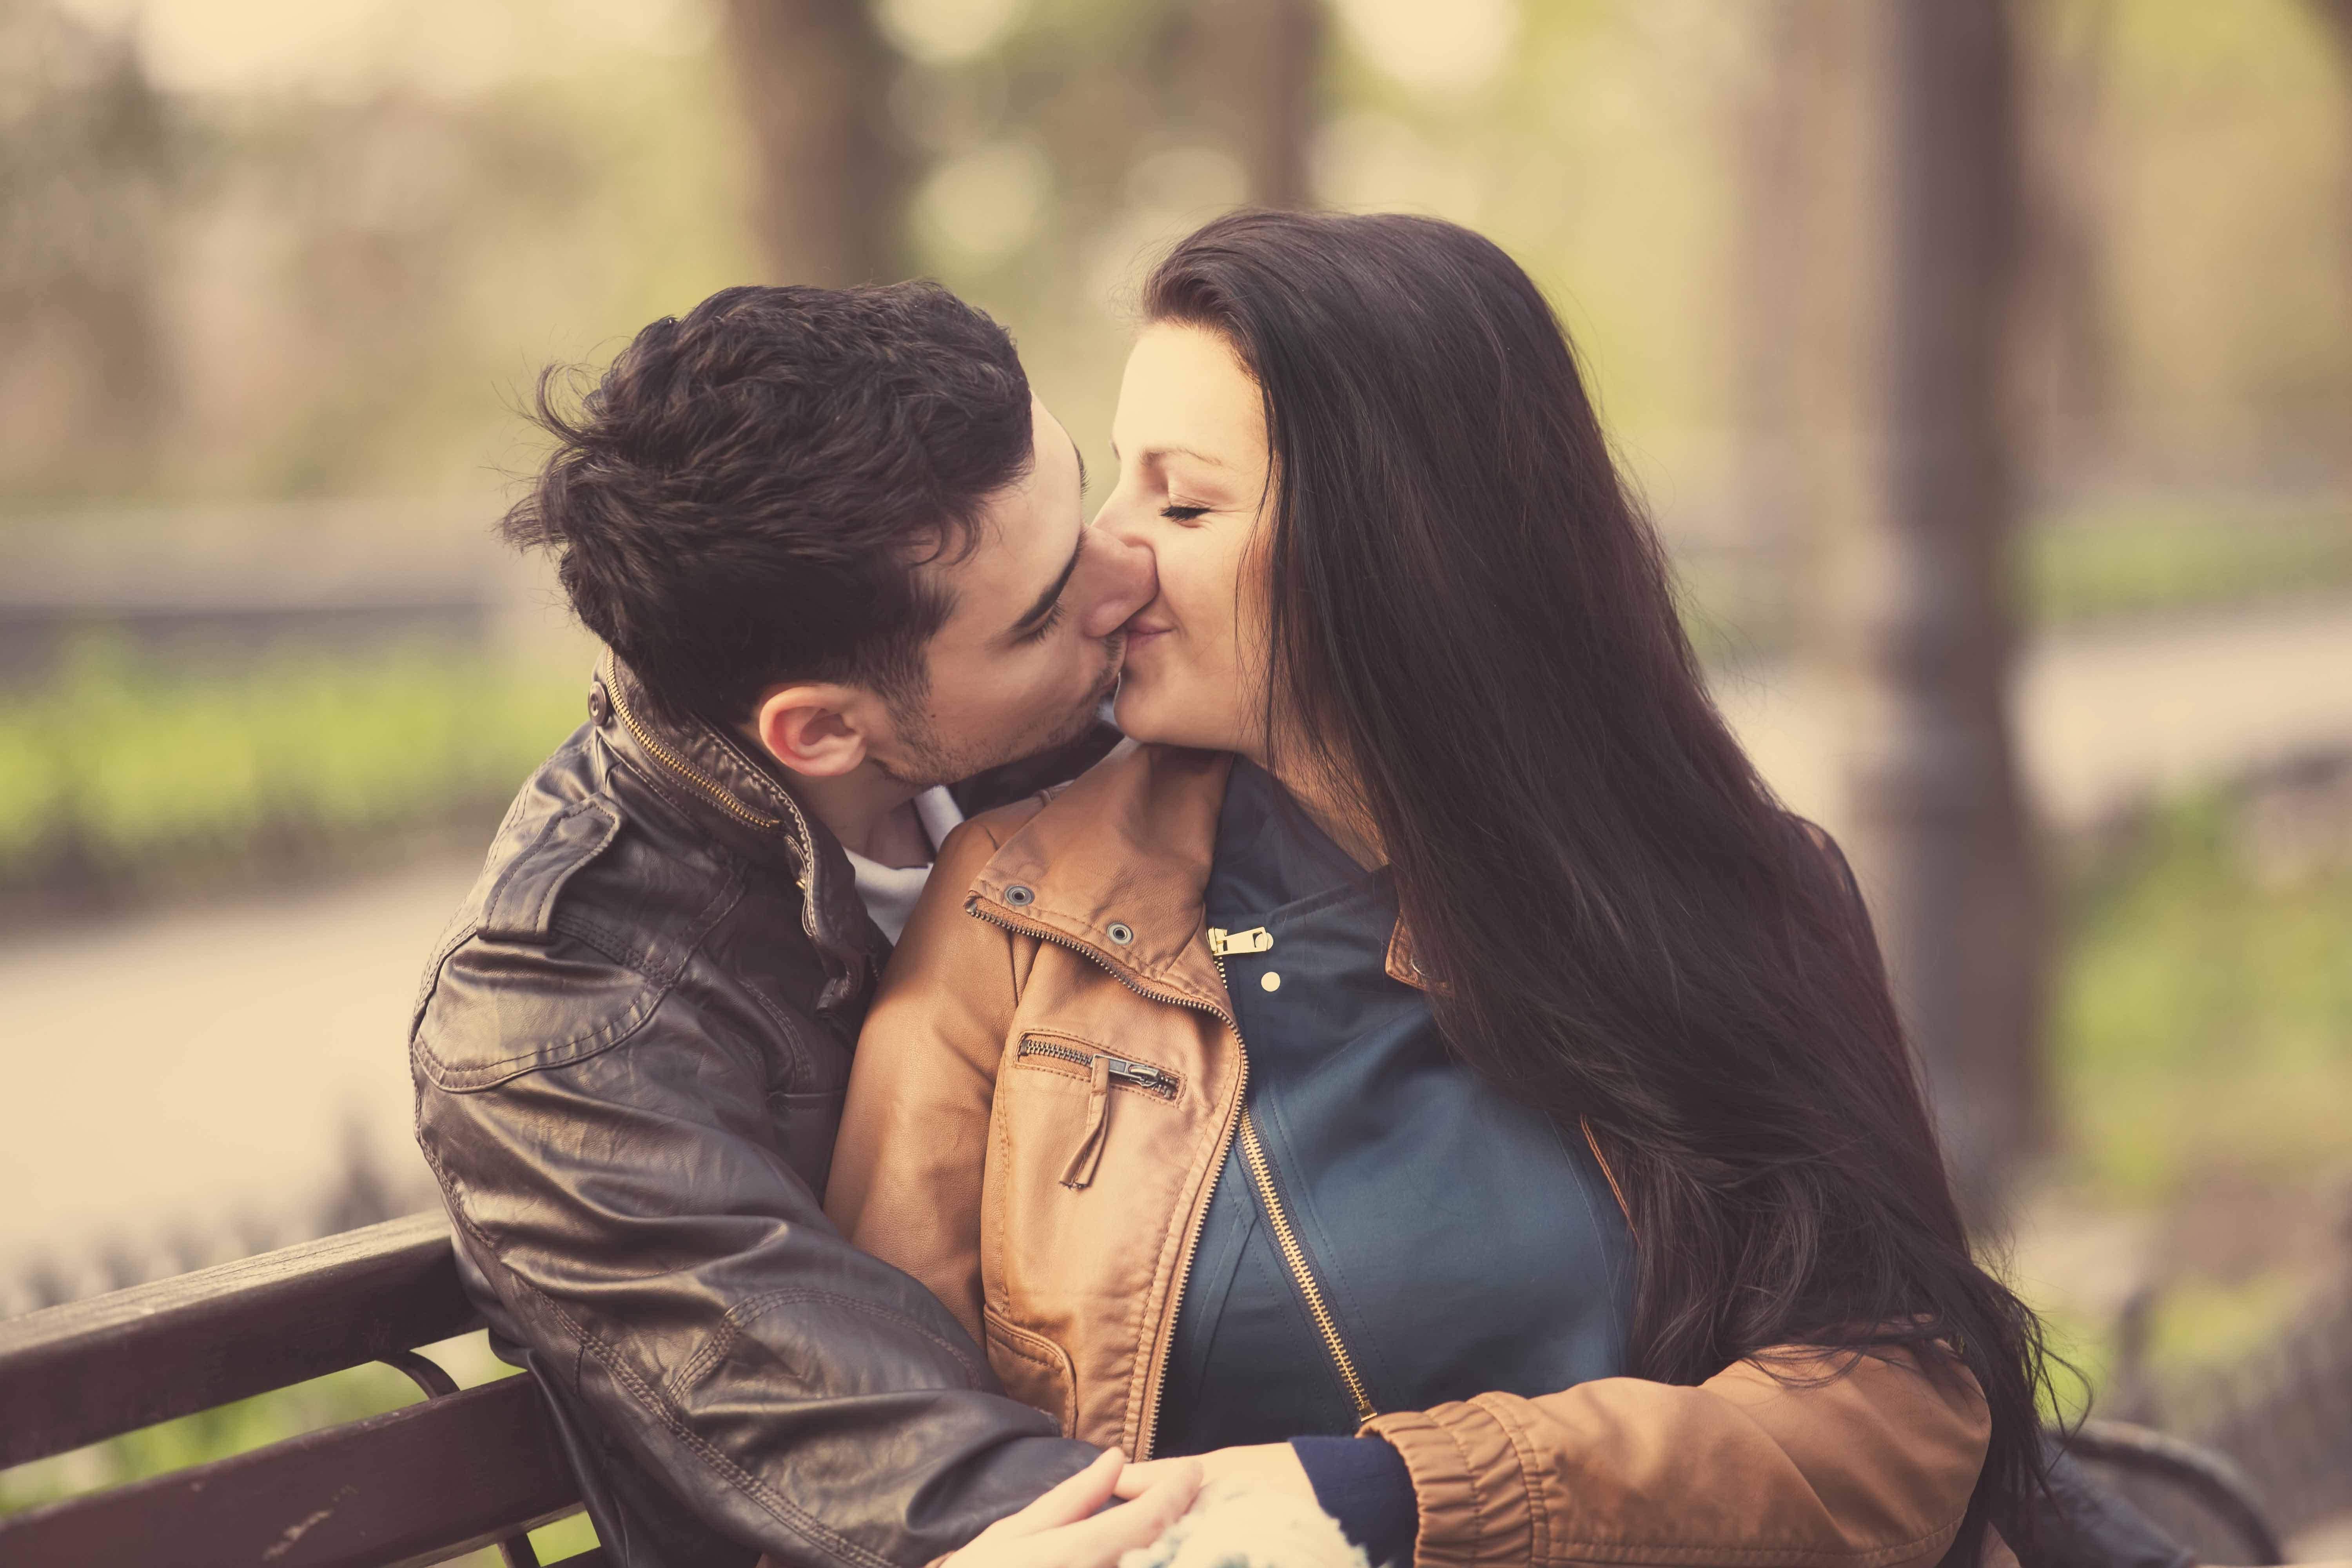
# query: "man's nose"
[[1126, 578]]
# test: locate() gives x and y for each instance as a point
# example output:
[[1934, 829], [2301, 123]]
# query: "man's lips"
[[1142, 632]]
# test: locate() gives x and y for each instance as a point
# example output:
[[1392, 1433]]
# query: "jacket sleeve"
[[1813, 1461], [624, 1187], [1819, 1461], [913, 1151]]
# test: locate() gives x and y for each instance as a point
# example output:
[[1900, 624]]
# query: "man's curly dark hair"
[[748, 493]]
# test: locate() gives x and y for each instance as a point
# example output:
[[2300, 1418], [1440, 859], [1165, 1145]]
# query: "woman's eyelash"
[[1182, 514], [1053, 619]]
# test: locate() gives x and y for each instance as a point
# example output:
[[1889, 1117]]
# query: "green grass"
[[2153, 558], [140, 774], [2200, 1035], [2076, 566], [2203, 1020]]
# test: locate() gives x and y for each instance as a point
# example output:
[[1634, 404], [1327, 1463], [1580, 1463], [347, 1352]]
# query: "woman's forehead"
[[1186, 396]]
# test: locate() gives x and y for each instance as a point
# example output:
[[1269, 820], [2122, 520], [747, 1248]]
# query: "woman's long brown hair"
[[1620, 922]]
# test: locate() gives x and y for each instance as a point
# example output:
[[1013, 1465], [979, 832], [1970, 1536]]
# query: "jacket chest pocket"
[[1064, 1119]]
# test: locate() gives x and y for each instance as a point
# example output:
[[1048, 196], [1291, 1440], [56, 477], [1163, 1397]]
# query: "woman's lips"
[[1139, 633]]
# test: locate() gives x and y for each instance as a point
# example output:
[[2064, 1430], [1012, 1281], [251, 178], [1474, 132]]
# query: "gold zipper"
[[1149, 1427], [1285, 1238], [684, 769], [1254, 1156]]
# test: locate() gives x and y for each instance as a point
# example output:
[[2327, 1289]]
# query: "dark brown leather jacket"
[[630, 1049]]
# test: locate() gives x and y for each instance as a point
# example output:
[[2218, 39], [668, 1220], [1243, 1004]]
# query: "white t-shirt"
[[889, 891]]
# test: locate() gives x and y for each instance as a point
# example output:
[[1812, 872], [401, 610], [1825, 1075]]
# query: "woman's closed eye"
[[1176, 513]]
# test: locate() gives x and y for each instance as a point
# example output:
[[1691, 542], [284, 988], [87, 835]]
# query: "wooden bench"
[[456, 1471]]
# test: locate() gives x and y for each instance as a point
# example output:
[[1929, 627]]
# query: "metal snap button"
[[1020, 897], [1269, 980], [1120, 932]]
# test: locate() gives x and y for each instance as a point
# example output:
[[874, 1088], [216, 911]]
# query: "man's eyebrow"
[[1045, 601], [1081, 456]]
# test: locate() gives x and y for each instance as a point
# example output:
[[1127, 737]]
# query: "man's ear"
[[818, 730]]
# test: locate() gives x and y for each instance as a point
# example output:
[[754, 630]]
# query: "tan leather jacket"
[[1052, 1198]]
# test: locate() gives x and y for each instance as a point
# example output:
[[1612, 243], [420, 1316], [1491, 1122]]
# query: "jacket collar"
[[1125, 851], [715, 779]]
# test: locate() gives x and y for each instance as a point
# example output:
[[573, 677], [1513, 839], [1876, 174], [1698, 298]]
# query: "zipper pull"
[[1143, 1075], [1089, 1154], [1257, 939]]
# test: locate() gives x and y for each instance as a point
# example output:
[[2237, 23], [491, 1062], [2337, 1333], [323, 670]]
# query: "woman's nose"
[[1126, 578]]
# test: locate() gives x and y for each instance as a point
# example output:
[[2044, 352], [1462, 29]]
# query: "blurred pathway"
[[180, 1086], [165, 1075], [2106, 716]]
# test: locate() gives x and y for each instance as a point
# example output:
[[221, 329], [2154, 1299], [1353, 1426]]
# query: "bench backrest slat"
[[420, 1485], [88, 1370]]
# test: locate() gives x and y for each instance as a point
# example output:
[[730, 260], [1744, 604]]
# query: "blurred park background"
[[1988, 371]]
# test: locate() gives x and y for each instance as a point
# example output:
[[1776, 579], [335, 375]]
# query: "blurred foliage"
[[2201, 1061], [132, 774], [2224, 300], [2203, 1023], [2196, 1324], [2085, 563], [324, 254], [298, 284], [137, 774], [349, 1395]]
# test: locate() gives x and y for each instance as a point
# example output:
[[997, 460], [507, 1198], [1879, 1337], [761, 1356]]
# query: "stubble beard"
[[929, 762]]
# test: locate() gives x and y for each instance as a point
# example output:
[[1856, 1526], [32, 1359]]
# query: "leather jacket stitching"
[[793, 1045], [649, 1399], [744, 1312], [655, 982]]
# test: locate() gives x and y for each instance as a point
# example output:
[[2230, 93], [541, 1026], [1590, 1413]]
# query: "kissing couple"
[[1004, 1028]]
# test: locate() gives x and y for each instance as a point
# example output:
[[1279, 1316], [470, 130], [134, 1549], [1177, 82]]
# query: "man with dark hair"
[[835, 548]]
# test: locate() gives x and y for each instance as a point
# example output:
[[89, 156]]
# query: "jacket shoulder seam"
[[655, 987]]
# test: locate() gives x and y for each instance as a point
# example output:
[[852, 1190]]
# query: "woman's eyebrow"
[[1152, 453]]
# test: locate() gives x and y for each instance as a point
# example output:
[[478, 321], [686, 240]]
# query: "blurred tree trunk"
[[1776, 129], [2337, 16], [90, 168], [1935, 807], [2068, 335], [814, 78], [1260, 62]]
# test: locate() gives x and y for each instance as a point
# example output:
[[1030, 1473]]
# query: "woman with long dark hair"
[[1431, 1066]]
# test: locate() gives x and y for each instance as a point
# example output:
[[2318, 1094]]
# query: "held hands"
[[1070, 1527], [1274, 1467]]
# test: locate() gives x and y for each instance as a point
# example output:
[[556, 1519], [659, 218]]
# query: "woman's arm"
[[1803, 1465], [913, 1146], [1872, 1468]]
